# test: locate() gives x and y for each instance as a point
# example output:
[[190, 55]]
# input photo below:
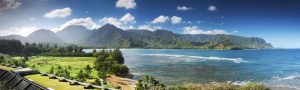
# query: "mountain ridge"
[[111, 36]]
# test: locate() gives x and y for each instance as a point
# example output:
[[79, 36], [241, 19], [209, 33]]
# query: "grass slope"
[[6, 68], [44, 64], [52, 83]]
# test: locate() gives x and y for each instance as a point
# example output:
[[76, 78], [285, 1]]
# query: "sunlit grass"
[[53, 83], [6, 68], [44, 64]]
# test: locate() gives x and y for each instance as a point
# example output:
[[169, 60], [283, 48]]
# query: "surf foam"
[[190, 58]]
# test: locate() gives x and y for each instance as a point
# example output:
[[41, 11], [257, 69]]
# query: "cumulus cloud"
[[127, 4], [59, 13], [23, 31], [128, 18], [176, 19], [120, 23], [148, 27], [160, 19], [196, 30], [9, 4], [183, 8], [87, 22], [212, 8]]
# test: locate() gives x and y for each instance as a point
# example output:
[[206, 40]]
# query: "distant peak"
[[71, 27], [43, 30], [108, 26]]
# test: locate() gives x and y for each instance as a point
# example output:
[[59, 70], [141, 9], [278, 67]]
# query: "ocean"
[[274, 67]]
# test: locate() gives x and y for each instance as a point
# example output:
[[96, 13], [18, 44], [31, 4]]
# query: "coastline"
[[124, 82]]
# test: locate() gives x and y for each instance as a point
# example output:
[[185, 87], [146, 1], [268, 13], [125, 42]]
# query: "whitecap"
[[239, 83], [289, 77], [190, 58]]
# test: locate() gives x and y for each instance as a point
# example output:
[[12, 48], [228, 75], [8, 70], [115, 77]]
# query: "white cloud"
[[212, 8], [183, 8], [59, 13], [111, 20], [196, 30], [87, 22], [120, 23], [131, 27], [148, 27], [128, 18], [127, 4], [160, 19], [176, 19], [23, 31], [31, 19], [9, 4]]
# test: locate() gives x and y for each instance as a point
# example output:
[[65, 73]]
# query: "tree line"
[[16, 48]]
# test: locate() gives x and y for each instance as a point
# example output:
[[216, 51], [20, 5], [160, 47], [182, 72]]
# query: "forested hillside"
[[111, 36]]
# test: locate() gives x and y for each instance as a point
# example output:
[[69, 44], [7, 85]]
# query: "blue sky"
[[277, 21]]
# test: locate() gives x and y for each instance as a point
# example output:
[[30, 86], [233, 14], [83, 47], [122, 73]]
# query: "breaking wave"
[[189, 58], [289, 77]]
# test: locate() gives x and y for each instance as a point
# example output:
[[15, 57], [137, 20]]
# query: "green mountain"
[[43, 36], [111, 36], [74, 34]]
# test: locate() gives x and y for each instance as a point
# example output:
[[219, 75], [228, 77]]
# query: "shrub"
[[81, 76], [51, 71], [219, 86], [120, 69], [149, 83], [254, 86], [97, 82]]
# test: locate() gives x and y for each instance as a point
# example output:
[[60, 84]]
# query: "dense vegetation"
[[106, 63], [6, 59], [111, 36], [110, 62], [16, 48], [220, 86], [11, 47], [84, 69], [149, 83]]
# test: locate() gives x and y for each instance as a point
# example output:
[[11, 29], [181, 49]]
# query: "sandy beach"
[[125, 83]]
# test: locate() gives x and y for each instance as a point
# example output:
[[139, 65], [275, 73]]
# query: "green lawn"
[[44, 64], [6, 68], [52, 83]]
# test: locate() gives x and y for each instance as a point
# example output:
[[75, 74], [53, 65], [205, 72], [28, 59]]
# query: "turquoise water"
[[277, 68]]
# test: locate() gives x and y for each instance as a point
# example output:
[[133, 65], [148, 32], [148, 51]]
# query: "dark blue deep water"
[[276, 68]]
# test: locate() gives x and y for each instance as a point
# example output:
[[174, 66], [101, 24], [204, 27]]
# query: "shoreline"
[[124, 82]]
